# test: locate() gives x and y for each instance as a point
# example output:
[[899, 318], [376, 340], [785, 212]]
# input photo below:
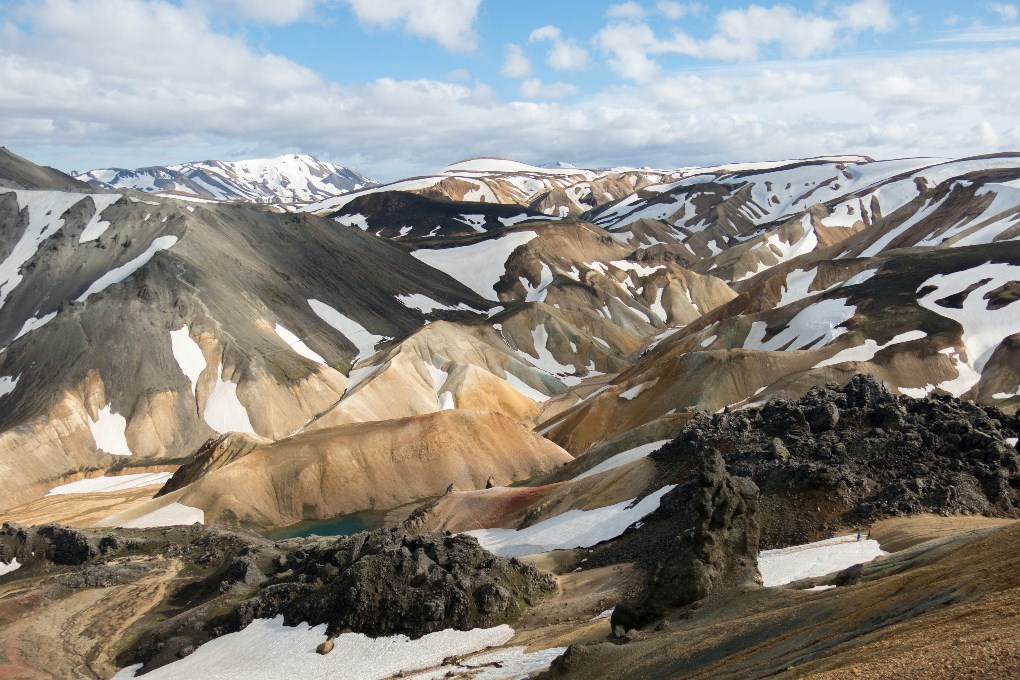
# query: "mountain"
[[642, 376], [290, 178]]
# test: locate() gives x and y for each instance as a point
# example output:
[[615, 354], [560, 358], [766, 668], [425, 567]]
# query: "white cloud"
[[545, 33], [134, 82], [741, 34], [867, 15], [1005, 11], [451, 23], [533, 88], [626, 10], [515, 64], [565, 54], [678, 10]]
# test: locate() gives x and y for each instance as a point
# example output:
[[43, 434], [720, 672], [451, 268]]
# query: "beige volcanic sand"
[[80, 509], [947, 608], [379, 465], [49, 631]]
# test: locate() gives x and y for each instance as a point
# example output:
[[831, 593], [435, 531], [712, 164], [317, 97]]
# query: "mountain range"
[[291, 178], [502, 349]]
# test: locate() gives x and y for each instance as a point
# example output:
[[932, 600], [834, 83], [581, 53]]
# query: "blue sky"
[[401, 87]]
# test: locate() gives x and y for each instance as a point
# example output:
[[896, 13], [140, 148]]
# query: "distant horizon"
[[396, 89], [549, 165]]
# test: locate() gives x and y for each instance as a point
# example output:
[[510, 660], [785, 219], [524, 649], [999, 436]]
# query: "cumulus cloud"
[[515, 63], [135, 81], [451, 23], [742, 34], [565, 54], [1005, 11], [678, 10], [626, 10]]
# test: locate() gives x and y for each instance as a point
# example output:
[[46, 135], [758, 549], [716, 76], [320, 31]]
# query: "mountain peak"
[[288, 178]]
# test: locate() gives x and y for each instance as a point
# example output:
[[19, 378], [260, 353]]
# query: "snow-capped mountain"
[[291, 178]]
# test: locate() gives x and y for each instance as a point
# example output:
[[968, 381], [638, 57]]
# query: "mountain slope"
[[290, 178]]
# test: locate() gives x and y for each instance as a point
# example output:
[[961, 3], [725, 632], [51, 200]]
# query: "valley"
[[558, 419]]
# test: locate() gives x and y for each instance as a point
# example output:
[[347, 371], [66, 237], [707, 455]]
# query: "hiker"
[[869, 533], [858, 534]]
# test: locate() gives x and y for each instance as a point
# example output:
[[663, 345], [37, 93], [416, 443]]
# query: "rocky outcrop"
[[214, 454], [849, 455], [387, 582], [379, 583], [705, 537]]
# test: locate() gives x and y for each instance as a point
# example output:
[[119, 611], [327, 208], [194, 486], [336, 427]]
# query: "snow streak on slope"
[[108, 432], [224, 412], [188, 354], [124, 271], [359, 336], [478, 266], [298, 345], [268, 650], [45, 212], [173, 514], [111, 484], [983, 328], [572, 529], [624, 457], [786, 565], [8, 568], [813, 327], [869, 349]]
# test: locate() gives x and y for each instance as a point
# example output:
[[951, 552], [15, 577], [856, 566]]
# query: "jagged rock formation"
[[705, 537], [379, 583], [853, 454]]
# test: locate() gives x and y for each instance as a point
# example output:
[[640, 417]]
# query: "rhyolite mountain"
[[567, 310]]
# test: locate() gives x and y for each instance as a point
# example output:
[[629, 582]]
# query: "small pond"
[[345, 525]]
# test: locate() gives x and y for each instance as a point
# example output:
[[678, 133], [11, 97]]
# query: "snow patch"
[[111, 484], [108, 432], [815, 325], [7, 384], [624, 457], [633, 392], [188, 355], [118, 274], [427, 305], [34, 323], [358, 335], [869, 349], [8, 568], [478, 266], [786, 565], [572, 529], [268, 650], [97, 227], [173, 514], [298, 345], [224, 412]]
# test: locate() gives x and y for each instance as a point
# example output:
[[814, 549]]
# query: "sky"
[[396, 88]]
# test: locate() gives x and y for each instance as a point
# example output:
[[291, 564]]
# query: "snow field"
[[268, 650], [571, 529], [359, 336], [188, 355], [121, 273], [814, 326], [624, 457], [108, 432], [111, 484], [224, 412], [786, 565], [298, 345], [173, 514], [478, 266]]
